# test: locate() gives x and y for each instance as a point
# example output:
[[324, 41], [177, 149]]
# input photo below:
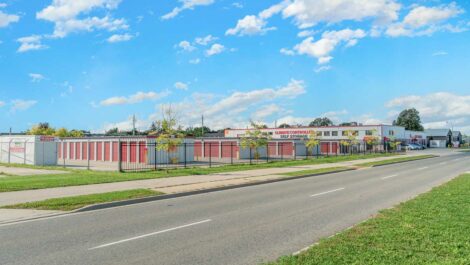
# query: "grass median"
[[396, 160], [77, 202], [86, 177], [430, 229]]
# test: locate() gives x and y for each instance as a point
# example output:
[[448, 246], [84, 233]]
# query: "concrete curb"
[[399, 162], [196, 192]]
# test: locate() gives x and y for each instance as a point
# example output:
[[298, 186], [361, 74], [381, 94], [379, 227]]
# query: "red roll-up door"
[[272, 149], [77, 151], [229, 149], [213, 147], [85, 151], [115, 151], [142, 152], [124, 154], [286, 148], [133, 152], [99, 151], [197, 149], [334, 147], [92, 151], [107, 151], [325, 148], [72, 150], [59, 153]]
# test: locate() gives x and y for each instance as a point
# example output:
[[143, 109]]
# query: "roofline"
[[317, 127]]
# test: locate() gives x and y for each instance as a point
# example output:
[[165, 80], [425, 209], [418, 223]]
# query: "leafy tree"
[[410, 119], [321, 122], [255, 138], [61, 132], [284, 125], [112, 132], [42, 128], [170, 137], [76, 133], [197, 131], [312, 142], [352, 123]]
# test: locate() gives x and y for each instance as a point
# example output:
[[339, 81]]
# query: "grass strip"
[[315, 171], [395, 160], [77, 202], [86, 177], [430, 229]]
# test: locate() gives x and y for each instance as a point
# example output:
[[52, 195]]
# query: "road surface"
[[239, 226]]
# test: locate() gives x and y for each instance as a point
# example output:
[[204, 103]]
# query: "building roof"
[[437, 132], [456, 133]]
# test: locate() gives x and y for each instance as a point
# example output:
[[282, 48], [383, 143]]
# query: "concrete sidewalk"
[[171, 185], [20, 171]]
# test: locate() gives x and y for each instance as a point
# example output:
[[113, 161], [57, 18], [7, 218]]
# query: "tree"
[[410, 119], [284, 125], [352, 139], [42, 128], [112, 132], [61, 132], [312, 142], [197, 131], [170, 137], [254, 139], [321, 122], [352, 123]]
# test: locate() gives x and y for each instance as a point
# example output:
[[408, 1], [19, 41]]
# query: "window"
[[319, 133], [391, 132], [345, 133], [369, 132], [326, 133], [334, 133]]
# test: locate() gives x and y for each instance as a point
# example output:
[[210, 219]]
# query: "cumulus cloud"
[[195, 61], [22, 105], [186, 4], [133, 99], [322, 48], [65, 14], [266, 111], [6, 19], [186, 46], [30, 43], [36, 78], [436, 108], [422, 20], [181, 86], [205, 40], [120, 38], [215, 49]]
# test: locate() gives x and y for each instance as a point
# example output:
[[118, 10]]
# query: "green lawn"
[[315, 171], [85, 177], [396, 160], [433, 228], [77, 202]]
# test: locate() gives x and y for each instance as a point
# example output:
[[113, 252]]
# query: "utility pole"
[[202, 128], [133, 124]]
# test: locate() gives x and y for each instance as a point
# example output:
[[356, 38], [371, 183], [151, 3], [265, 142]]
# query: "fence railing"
[[147, 156]]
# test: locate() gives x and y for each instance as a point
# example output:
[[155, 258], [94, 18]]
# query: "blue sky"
[[91, 64]]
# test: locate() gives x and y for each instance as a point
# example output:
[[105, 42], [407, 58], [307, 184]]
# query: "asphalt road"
[[240, 226]]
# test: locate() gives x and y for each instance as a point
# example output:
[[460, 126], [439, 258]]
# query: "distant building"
[[439, 138], [457, 138]]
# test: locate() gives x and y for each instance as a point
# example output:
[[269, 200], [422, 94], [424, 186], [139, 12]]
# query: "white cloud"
[[7, 19], [22, 105], [186, 46], [186, 4], [307, 13], [30, 43], [237, 5], [205, 40], [266, 111], [436, 108], [36, 78], [322, 48], [423, 20], [65, 16], [2, 104], [286, 51], [215, 49], [440, 53], [120, 38], [133, 99], [195, 61], [181, 86], [323, 68], [305, 33]]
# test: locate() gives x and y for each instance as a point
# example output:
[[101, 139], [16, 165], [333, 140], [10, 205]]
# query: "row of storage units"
[[232, 149], [118, 152]]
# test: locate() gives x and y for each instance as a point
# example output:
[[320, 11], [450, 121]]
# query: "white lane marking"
[[423, 168], [326, 192], [389, 177], [151, 234]]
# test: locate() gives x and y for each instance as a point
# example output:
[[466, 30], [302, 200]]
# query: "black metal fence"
[[140, 156]]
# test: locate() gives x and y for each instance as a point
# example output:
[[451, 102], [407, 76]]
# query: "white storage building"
[[29, 150]]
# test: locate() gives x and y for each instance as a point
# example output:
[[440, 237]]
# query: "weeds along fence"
[[141, 156]]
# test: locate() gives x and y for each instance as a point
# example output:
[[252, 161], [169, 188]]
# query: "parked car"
[[412, 147]]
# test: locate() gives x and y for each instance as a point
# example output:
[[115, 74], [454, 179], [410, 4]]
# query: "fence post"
[[267, 153], [43, 154], [250, 156], [63, 153], [185, 162], [119, 155], [318, 151], [231, 153], [88, 154], [155, 167], [306, 151], [295, 151], [210, 154], [282, 152]]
